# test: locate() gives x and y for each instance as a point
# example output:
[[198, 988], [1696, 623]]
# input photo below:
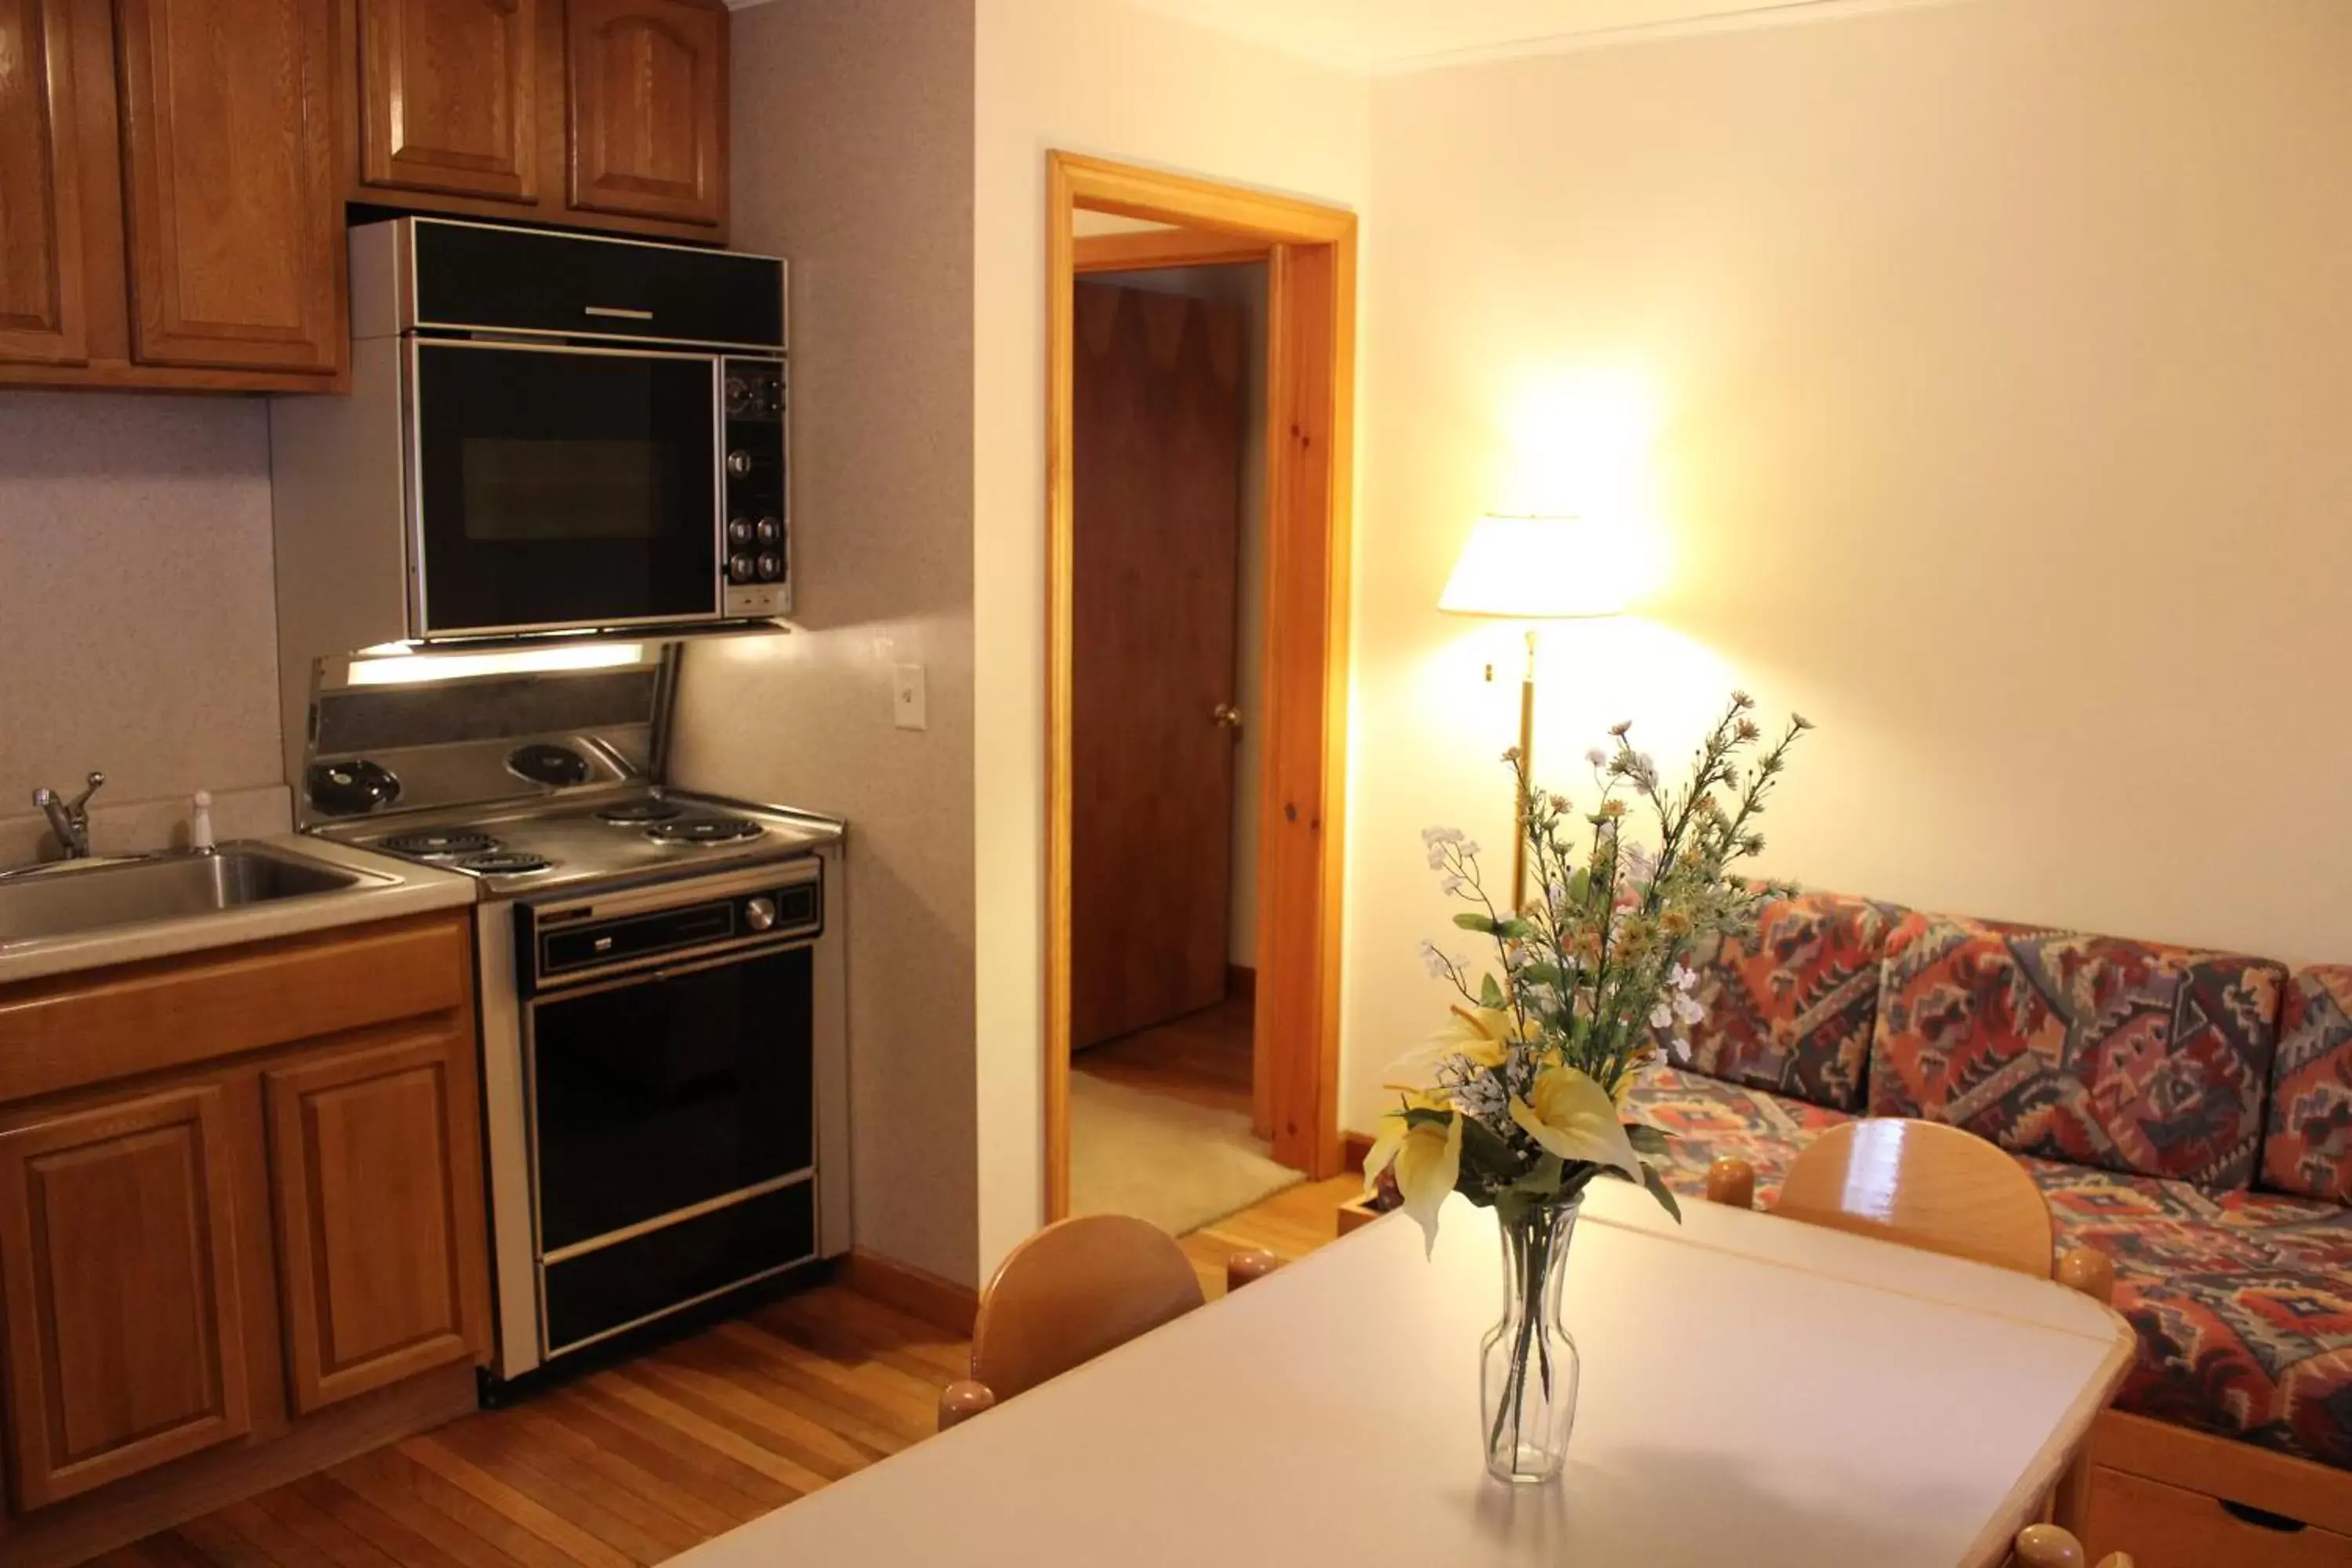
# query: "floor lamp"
[[1535, 569]]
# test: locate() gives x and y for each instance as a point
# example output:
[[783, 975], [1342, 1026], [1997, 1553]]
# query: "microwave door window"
[[564, 489]]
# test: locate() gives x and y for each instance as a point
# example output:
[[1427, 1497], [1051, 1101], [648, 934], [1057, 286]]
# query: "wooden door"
[[1157, 421], [44, 311], [446, 96], [375, 1173], [648, 84], [229, 147], [123, 1337]]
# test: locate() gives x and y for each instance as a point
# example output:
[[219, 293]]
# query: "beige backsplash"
[[137, 614]]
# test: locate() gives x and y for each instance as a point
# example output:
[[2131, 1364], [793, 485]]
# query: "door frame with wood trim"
[[1301, 706]]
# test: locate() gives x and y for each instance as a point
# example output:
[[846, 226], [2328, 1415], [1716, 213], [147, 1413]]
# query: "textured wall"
[[1983, 371], [853, 158], [136, 612]]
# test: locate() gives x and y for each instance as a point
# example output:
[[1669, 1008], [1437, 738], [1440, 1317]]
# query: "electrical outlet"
[[907, 696]]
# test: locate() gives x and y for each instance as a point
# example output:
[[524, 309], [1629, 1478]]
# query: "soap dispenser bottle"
[[200, 823]]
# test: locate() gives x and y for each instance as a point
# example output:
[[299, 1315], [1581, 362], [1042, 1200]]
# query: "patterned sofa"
[[2187, 1113]]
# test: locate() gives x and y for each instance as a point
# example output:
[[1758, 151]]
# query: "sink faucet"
[[69, 819]]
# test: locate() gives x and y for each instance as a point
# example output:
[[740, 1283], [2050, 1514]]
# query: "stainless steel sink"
[[76, 896]]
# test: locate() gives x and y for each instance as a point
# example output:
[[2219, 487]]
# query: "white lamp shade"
[[1540, 568]]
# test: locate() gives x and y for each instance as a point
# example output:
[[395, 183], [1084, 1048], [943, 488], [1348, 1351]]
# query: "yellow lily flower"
[[1427, 1158], [1481, 1035], [1571, 1116]]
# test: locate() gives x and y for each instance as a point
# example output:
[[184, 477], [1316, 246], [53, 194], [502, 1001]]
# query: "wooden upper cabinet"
[[375, 1171], [228, 143], [448, 99], [122, 1332], [647, 87], [44, 315]]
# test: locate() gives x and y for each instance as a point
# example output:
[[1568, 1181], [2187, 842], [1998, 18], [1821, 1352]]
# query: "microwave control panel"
[[759, 526]]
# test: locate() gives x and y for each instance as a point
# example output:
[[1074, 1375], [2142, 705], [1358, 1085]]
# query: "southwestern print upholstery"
[[2128, 1055], [2242, 1302], [2308, 1149], [1705, 1118], [1790, 1004]]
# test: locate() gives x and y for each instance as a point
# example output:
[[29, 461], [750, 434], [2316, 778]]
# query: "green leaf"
[[1490, 994], [1513, 929], [1471, 920], [1422, 1116], [1656, 1184], [1579, 884], [1540, 974], [1645, 1138]]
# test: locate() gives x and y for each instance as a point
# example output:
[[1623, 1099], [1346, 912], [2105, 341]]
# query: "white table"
[[1756, 1392]]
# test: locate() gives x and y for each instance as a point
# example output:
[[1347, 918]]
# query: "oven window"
[[665, 1092], [564, 489]]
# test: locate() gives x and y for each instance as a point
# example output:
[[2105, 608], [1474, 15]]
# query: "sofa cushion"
[[1790, 1004], [2128, 1055], [1707, 1119], [2308, 1149], [2242, 1302]]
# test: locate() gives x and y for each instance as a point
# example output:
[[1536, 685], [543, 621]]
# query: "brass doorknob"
[[1228, 715]]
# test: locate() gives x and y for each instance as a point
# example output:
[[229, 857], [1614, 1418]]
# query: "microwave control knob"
[[772, 565], [771, 531], [741, 568], [738, 394], [739, 531], [738, 462], [759, 913]]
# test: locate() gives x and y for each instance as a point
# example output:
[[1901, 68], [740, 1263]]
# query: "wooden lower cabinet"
[[238, 1241], [375, 1174], [124, 1325]]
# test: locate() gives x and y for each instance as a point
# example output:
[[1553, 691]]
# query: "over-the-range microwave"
[[545, 433]]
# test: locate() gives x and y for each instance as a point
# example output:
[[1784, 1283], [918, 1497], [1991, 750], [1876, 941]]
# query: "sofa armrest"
[[1731, 1181], [961, 1400], [2089, 1270]]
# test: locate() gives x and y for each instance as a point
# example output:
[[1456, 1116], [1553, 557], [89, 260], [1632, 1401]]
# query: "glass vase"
[[1527, 1380]]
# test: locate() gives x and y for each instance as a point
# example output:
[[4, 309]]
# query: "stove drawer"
[[589, 1294]]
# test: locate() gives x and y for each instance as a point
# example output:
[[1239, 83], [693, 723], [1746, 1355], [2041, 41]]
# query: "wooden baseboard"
[[1355, 1148], [2220, 1467], [1241, 982], [84, 1527], [918, 1292]]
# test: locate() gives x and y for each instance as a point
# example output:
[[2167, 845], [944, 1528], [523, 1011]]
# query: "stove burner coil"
[[635, 812], [437, 842], [504, 863], [705, 830]]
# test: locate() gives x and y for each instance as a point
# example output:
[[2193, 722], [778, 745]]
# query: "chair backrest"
[[1075, 1289], [1926, 1185]]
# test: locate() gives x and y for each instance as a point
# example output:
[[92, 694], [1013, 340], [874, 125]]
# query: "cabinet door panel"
[[446, 96], [123, 1329], [649, 108], [43, 308], [376, 1173], [235, 232]]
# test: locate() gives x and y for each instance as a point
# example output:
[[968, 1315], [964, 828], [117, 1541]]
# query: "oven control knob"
[[771, 531], [741, 568], [740, 531], [772, 566], [759, 913], [739, 396], [738, 462]]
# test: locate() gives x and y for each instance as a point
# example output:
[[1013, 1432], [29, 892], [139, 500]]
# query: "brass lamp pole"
[[1535, 569]]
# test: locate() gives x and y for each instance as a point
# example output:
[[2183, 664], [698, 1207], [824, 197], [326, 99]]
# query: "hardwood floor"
[[1202, 1058], [636, 1462]]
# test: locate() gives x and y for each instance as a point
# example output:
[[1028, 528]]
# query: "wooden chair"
[[2047, 1546], [1927, 1185], [1075, 1289]]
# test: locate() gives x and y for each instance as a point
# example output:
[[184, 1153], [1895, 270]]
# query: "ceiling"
[[1394, 35]]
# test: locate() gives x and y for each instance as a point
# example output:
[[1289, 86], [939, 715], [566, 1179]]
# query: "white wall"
[[1984, 370], [1243, 287], [137, 631], [853, 158], [1081, 77]]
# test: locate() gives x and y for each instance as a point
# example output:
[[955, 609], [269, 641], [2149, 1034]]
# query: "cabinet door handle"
[[616, 311], [2262, 1518]]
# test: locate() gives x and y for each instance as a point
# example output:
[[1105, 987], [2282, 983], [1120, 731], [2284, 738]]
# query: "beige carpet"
[[1178, 1165]]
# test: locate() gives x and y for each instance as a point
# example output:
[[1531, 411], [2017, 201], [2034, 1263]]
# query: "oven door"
[[672, 1125], [553, 487]]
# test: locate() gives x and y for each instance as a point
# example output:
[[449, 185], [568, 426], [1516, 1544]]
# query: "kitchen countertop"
[[396, 887]]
